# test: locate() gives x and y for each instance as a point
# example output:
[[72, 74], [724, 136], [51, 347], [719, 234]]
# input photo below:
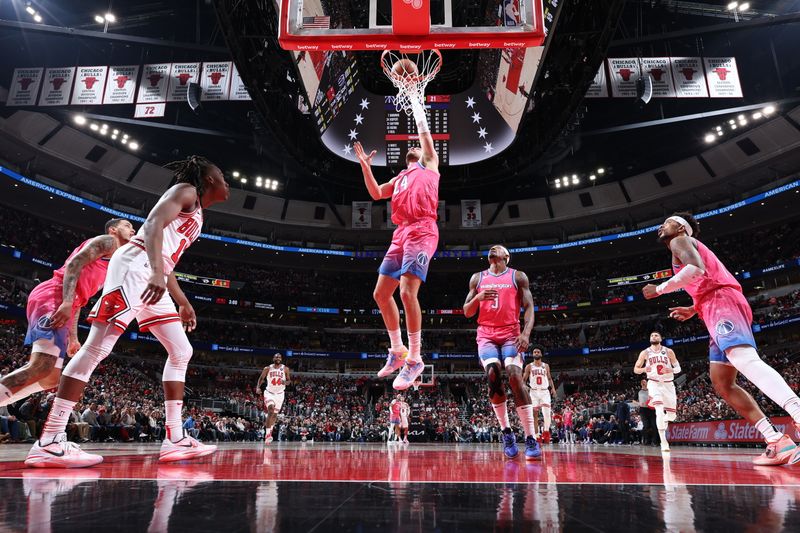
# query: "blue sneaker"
[[532, 449], [393, 361], [411, 371], [510, 444]]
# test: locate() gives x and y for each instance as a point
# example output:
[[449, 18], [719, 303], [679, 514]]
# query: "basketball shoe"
[[60, 453], [510, 444], [394, 360], [780, 452], [186, 448], [532, 449], [411, 371]]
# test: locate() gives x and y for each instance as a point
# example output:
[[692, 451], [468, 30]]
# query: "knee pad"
[[98, 345]]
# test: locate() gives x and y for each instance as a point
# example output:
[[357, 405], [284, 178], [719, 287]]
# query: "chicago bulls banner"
[[24, 86], [599, 86], [470, 213], [57, 86], [89, 85], [659, 70], [723, 77], [362, 215], [690, 80], [238, 89], [121, 84], [180, 77], [216, 80], [153, 87], [624, 72]]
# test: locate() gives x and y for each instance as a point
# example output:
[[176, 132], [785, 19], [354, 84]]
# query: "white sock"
[[501, 412], [7, 397], [525, 414], [396, 338], [768, 430], [414, 346], [547, 419], [792, 407], [173, 422], [747, 361], [57, 420], [662, 434]]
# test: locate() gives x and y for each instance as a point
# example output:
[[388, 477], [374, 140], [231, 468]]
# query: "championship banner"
[[623, 72], [89, 85], [659, 70], [362, 215], [727, 431], [57, 86], [24, 86], [153, 87], [723, 77], [238, 88], [470, 213], [181, 75], [121, 84], [599, 86], [689, 78], [216, 81]]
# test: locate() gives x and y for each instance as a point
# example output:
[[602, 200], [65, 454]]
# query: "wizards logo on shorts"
[[44, 323], [422, 258], [724, 327]]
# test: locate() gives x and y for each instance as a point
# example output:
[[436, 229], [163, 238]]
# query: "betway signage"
[[726, 431]]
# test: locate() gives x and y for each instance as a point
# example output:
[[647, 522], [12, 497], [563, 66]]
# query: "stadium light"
[[575, 179], [770, 109], [720, 133], [733, 126], [80, 120], [243, 180], [37, 17], [732, 6], [744, 7], [274, 185], [558, 184], [98, 19], [30, 10], [592, 177], [601, 171], [109, 17], [124, 140], [757, 115], [133, 145], [236, 174], [94, 127], [710, 138]]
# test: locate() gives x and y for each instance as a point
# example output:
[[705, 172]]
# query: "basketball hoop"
[[410, 83]]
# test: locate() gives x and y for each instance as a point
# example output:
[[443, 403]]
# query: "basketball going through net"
[[410, 74]]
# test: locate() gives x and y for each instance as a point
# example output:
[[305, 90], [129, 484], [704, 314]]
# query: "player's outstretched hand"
[[188, 317], [362, 155], [681, 314], [156, 287], [649, 291]]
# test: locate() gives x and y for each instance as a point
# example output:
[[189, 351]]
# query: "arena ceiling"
[[563, 134]]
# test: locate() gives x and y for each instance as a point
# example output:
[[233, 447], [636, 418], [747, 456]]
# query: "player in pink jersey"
[[53, 311], [139, 276], [497, 295], [394, 419], [719, 302], [414, 197]]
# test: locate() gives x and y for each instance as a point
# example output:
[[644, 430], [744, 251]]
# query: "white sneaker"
[[186, 448], [60, 453]]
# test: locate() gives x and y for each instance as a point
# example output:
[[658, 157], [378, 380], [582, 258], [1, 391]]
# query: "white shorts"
[[274, 398], [663, 394], [128, 274], [540, 398], [403, 421]]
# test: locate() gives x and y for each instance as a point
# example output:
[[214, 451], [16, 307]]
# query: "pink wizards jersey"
[[394, 409], [715, 277], [89, 282], [504, 310], [416, 195], [178, 236]]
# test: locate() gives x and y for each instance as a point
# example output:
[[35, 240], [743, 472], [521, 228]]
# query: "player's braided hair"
[[191, 171]]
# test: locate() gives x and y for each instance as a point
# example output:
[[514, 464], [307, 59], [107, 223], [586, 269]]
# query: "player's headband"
[[505, 250], [682, 221]]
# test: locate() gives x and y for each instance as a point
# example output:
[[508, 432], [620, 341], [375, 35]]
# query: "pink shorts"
[[728, 318], [497, 344], [413, 246], [42, 303]]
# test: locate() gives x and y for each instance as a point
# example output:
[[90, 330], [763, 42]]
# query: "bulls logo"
[[90, 81], [184, 77], [154, 79], [722, 72], [422, 258], [724, 327], [688, 73], [44, 323], [625, 73], [216, 77], [657, 73], [121, 81], [416, 4], [25, 83], [57, 83]]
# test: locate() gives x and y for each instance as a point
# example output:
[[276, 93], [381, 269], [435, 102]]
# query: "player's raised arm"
[[430, 159], [524, 287], [685, 251], [376, 191]]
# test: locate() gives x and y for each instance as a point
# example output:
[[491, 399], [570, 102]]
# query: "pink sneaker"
[[186, 448], [394, 360], [60, 453], [777, 453], [411, 371]]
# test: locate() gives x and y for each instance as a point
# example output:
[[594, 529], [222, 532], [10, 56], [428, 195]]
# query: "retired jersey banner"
[[690, 80], [57, 86], [624, 72], [470, 213], [24, 86], [659, 70], [362, 215], [216, 80], [726, 431], [90, 82], [181, 75], [599, 86], [723, 77], [121, 84], [153, 87], [238, 88]]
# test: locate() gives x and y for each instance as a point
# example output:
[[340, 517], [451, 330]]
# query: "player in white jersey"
[[661, 366], [138, 286], [405, 412], [276, 376], [538, 379]]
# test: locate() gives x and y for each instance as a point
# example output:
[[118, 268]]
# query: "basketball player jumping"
[[661, 366], [53, 312], [139, 276], [497, 294], [538, 379], [277, 376], [414, 197], [719, 302]]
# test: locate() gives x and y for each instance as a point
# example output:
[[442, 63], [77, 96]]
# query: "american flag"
[[317, 22]]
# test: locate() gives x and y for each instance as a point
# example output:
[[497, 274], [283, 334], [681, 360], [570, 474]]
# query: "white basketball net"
[[411, 85]]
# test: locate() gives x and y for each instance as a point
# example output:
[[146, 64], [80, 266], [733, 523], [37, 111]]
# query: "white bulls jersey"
[[538, 378], [178, 236], [657, 361], [276, 379]]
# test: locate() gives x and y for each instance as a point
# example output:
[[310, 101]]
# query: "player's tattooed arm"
[[100, 246]]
